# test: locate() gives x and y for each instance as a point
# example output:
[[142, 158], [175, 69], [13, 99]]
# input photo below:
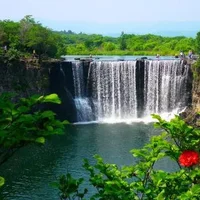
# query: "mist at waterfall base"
[[126, 92]]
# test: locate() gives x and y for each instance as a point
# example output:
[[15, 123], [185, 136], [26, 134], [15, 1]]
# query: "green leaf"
[[52, 98], [65, 122], [40, 140], [160, 195], [49, 128], [2, 181], [196, 189], [47, 114], [23, 109]]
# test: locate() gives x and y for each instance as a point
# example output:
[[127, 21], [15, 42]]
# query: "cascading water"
[[124, 90], [113, 89], [165, 86], [84, 110]]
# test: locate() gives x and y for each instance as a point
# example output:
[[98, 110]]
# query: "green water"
[[29, 172]]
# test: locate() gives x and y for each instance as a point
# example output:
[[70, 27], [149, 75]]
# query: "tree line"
[[28, 36]]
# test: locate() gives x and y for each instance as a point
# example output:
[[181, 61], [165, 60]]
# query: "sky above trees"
[[108, 15]]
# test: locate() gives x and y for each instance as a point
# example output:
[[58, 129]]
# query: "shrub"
[[24, 122], [179, 142]]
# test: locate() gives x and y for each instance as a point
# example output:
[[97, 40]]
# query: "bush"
[[179, 142], [23, 122]]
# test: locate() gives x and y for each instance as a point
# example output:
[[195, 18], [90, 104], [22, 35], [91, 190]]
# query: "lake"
[[30, 171]]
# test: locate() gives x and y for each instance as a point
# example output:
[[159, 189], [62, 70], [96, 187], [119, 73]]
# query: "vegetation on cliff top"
[[28, 37]]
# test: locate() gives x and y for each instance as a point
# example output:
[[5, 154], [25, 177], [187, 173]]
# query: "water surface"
[[29, 172]]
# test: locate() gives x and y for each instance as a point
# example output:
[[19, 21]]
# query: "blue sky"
[[108, 16]]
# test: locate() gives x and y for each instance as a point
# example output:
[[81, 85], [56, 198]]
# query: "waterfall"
[[125, 90], [84, 110], [77, 68], [114, 89], [165, 86]]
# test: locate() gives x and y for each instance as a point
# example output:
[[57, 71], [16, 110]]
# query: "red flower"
[[188, 158]]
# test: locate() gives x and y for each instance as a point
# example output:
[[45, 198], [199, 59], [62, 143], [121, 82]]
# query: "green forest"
[[27, 36]]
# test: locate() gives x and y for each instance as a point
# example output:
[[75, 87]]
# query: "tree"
[[28, 35], [41, 40], [60, 43], [24, 122], [197, 43], [108, 46], [25, 25], [2, 36], [10, 33], [122, 40]]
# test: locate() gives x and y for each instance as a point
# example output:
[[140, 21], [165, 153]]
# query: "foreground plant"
[[25, 122], [69, 188], [178, 142]]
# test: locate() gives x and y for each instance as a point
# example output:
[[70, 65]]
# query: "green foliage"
[[196, 69], [27, 36], [24, 122], [197, 44], [19, 124], [127, 44], [2, 181], [41, 40], [108, 46], [142, 180], [122, 41], [69, 188], [12, 54]]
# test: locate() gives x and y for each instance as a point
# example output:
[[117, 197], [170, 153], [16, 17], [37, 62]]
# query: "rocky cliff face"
[[24, 77], [28, 77], [192, 114]]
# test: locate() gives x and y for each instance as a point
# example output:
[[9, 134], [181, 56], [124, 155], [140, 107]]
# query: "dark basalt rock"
[[86, 59], [143, 58], [61, 83]]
